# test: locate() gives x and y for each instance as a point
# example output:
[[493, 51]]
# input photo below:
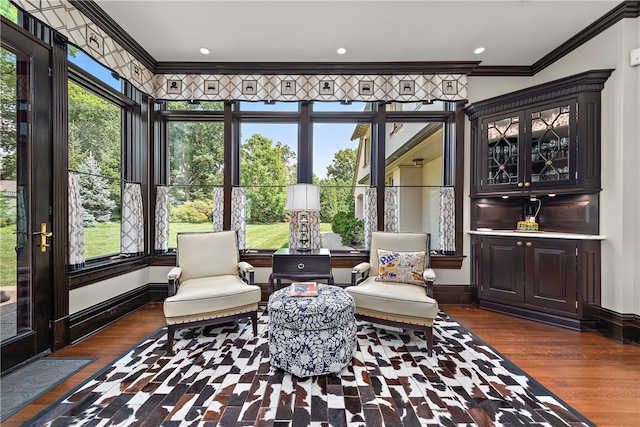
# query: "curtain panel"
[[239, 215], [76, 225], [132, 222], [447, 221], [218, 208], [161, 244], [370, 215], [391, 210]]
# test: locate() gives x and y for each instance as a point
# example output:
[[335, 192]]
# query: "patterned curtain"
[[391, 209], [218, 208], [447, 220], [161, 244], [238, 214], [132, 223], [76, 225], [370, 215]]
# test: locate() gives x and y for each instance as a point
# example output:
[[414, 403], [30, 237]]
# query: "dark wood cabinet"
[[502, 269], [551, 279], [541, 139], [538, 147], [300, 266]]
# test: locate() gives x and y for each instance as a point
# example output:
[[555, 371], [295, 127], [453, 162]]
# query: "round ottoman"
[[311, 335]]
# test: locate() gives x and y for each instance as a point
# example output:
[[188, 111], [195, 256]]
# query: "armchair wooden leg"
[[428, 336], [170, 332], [254, 323]]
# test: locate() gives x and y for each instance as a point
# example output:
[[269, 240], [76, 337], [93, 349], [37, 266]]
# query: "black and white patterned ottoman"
[[311, 335]]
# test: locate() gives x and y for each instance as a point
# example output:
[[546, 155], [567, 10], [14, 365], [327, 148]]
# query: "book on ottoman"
[[304, 289]]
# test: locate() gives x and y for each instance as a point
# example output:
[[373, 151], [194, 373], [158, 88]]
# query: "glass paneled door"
[[25, 180]]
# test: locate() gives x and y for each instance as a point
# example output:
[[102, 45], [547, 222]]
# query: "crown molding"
[[502, 70]]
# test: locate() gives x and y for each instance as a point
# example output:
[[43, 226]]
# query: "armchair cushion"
[[398, 299], [205, 294], [403, 267], [207, 254]]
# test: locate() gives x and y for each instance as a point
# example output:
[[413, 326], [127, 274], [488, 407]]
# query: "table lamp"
[[303, 198]]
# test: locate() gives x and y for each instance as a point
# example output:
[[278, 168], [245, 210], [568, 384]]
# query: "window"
[[86, 62], [334, 145], [414, 160], [9, 11], [95, 138], [335, 156], [196, 167], [268, 162]]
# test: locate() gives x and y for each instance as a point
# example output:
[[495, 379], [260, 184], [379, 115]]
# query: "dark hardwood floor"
[[598, 377]]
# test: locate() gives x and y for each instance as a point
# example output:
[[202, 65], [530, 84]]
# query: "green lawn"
[[105, 239]]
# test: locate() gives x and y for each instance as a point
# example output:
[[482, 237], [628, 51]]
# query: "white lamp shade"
[[303, 197]]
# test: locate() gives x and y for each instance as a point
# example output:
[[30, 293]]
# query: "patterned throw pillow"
[[404, 267]]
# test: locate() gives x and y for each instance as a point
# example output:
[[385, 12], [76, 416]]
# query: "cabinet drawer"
[[283, 264]]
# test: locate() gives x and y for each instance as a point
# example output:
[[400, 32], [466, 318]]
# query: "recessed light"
[[478, 50], [342, 50], [204, 51]]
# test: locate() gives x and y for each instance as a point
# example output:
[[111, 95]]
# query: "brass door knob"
[[529, 244], [518, 243]]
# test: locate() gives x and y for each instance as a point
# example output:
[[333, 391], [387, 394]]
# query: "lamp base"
[[303, 249]]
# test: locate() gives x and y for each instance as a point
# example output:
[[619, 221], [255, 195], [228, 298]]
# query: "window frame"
[[453, 151], [91, 83]]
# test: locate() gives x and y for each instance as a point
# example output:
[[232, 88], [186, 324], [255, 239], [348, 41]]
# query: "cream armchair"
[[383, 294], [209, 284]]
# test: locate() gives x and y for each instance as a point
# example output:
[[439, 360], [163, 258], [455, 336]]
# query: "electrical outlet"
[[634, 57]]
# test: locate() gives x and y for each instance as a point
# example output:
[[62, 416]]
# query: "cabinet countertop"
[[540, 234]]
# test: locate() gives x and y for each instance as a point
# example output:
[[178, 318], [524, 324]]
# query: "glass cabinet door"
[[502, 165], [552, 146]]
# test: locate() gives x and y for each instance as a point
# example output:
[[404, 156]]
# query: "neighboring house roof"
[[360, 131]]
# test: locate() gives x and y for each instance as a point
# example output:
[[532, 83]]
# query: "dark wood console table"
[[300, 266]]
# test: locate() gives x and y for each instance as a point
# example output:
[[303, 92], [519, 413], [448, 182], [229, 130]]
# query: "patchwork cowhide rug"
[[222, 377]]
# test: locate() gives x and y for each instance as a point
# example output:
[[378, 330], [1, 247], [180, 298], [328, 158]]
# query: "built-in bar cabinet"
[[536, 154]]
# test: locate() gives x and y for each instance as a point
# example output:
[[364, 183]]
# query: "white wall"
[[96, 293]]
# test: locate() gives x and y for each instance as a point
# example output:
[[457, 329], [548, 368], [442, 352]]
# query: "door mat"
[[26, 384]]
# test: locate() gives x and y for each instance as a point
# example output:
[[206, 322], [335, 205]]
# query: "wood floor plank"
[[597, 376]]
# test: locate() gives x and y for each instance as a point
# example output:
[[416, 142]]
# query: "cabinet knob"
[[520, 184], [301, 266], [527, 184], [529, 244], [518, 243]]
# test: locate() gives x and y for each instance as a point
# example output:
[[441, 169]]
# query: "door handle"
[[44, 234]]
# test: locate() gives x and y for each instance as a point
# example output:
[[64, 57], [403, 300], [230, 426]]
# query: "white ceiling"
[[514, 32]]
